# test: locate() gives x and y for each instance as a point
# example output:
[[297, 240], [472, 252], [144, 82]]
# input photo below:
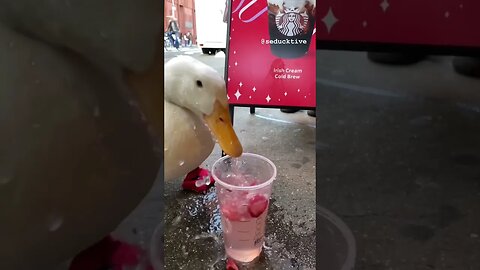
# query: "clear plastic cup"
[[244, 186]]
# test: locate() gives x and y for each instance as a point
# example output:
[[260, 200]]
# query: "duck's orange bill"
[[220, 125]]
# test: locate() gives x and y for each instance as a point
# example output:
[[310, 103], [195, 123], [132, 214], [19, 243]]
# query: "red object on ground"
[[231, 265], [197, 179], [109, 254]]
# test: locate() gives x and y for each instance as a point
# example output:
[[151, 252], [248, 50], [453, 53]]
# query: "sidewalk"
[[193, 232]]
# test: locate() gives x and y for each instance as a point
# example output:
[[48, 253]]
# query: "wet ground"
[[398, 156]]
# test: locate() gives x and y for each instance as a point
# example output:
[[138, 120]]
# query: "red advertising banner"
[[446, 23], [271, 54]]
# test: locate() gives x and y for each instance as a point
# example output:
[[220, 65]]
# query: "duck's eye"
[[199, 83]]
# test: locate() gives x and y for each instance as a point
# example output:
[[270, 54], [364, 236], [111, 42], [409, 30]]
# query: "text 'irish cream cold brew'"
[[291, 24]]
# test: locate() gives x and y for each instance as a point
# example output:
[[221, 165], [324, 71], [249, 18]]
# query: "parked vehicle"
[[211, 26]]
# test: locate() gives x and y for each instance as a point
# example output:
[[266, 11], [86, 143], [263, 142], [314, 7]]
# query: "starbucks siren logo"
[[291, 22]]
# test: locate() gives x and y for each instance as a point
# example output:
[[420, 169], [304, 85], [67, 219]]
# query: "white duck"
[[195, 107]]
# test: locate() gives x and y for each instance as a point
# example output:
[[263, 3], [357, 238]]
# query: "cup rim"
[[233, 187]]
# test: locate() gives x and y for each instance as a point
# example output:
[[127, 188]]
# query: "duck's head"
[[198, 88]]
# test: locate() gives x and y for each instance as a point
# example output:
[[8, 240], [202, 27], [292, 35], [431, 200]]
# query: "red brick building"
[[184, 12]]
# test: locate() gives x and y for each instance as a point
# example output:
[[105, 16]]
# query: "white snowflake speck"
[[238, 94], [385, 5], [228, 97], [268, 98], [250, 97], [234, 52], [298, 90], [254, 89], [228, 78], [364, 24], [447, 14], [240, 84], [236, 63], [285, 93], [305, 96]]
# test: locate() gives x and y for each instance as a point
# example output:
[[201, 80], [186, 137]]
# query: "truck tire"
[[467, 66], [395, 58], [208, 51]]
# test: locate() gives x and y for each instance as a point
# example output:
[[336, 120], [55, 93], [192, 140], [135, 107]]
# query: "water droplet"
[[181, 162], [54, 223], [33, 63], [96, 111], [165, 149], [194, 127], [5, 180], [199, 183], [177, 220]]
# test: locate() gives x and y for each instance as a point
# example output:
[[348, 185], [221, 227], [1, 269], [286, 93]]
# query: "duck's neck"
[[147, 88]]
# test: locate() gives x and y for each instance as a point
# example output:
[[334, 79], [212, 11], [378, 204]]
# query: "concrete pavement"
[[398, 156]]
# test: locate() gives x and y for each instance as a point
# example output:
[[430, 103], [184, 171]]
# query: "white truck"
[[211, 26]]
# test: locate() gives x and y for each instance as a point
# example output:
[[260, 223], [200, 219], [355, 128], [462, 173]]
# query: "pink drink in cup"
[[244, 186]]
